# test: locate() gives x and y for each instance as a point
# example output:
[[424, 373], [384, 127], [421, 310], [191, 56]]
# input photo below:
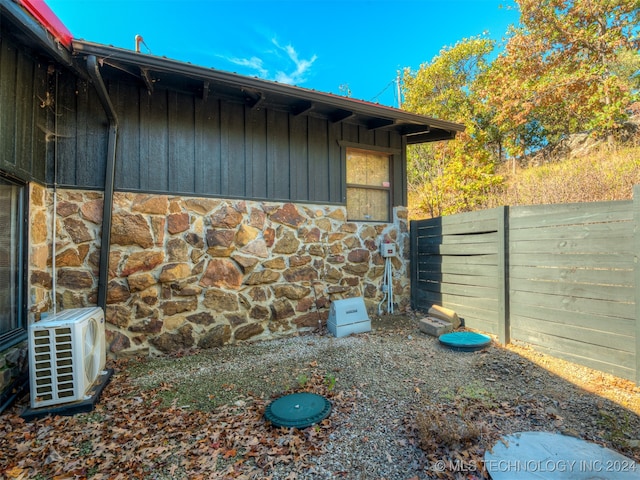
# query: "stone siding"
[[199, 272]]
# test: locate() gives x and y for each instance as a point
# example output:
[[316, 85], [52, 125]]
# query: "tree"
[[568, 67], [453, 176]]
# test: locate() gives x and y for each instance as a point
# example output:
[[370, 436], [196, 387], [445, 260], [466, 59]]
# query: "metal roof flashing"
[[152, 70]]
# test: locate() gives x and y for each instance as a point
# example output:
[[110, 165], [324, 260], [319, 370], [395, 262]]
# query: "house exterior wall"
[[200, 272], [178, 143]]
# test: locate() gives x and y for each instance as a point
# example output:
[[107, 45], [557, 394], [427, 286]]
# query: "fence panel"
[[560, 277], [456, 262], [572, 282]]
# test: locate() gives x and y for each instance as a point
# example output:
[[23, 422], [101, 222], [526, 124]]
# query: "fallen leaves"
[[131, 435]]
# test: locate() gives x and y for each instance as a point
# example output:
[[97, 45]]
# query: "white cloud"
[[281, 64]]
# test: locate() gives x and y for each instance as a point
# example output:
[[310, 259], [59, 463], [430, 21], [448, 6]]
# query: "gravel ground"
[[412, 404]]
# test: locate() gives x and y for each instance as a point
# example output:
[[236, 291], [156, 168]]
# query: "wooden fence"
[[564, 278]]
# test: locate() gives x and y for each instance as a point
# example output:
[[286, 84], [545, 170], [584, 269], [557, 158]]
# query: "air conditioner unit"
[[66, 356]]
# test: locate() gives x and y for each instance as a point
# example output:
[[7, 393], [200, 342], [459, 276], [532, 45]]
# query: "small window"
[[12, 322], [368, 185]]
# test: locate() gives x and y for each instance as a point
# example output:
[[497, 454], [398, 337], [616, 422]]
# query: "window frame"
[[19, 333], [392, 154]]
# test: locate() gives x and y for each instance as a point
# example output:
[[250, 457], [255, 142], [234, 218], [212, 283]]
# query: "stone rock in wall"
[[38, 230], [275, 264], [173, 272], [220, 301], [349, 228], [308, 320], [141, 281], [77, 230], [247, 264], [194, 240], [186, 288], [269, 235], [142, 261], [117, 341], [259, 312], [142, 310], [257, 218], [117, 315], [173, 307], [117, 292], [288, 215], [258, 294], [262, 277], [75, 279], [178, 223], [64, 208], [70, 299], [72, 257], [221, 272], [287, 244], [245, 332], [148, 325], [150, 204], [304, 304], [129, 229], [245, 235], [41, 278], [359, 269], [220, 242], [157, 228], [174, 342], [92, 211], [177, 250], [216, 337], [226, 217], [338, 214], [292, 292], [257, 248], [299, 260], [201, 206], [312, 236], [359, 255], [235, 319], [300, 274], [282, 309], [202, 318]]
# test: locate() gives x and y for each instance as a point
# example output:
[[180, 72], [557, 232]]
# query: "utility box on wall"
[[348, 316]]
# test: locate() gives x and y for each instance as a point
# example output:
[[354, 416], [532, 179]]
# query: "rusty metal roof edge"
[[167, 65]]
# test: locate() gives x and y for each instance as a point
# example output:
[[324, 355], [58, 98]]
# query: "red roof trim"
[[41, 12]]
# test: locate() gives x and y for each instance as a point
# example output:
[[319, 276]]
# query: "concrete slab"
[[434, 326], [551, 456]]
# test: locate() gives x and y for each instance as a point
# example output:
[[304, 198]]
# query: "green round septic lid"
[[465, 341], [298, 410]]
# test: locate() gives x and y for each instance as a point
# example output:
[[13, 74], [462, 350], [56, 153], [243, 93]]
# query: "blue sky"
[[329, 45]]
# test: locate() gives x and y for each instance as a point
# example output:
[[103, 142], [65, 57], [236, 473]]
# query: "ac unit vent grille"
[[67, 352]]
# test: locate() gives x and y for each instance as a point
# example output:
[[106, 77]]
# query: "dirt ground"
[[402, 404]]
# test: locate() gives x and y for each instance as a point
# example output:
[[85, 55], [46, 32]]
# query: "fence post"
[[636, 268], [504, 322], [413, 263]]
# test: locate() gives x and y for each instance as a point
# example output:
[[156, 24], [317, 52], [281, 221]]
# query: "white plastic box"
[[348, 316]]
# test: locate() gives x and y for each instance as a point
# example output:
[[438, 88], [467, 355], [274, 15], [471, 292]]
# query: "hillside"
[[590, 175]]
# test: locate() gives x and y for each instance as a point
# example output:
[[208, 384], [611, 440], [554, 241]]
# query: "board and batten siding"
[[26, 112], [178, 143], [563, 278]]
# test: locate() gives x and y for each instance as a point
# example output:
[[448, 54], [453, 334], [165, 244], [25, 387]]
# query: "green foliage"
[[569, 66], [454, 176]]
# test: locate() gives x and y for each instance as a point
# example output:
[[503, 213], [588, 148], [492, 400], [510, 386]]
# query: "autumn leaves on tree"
[[570, 66]]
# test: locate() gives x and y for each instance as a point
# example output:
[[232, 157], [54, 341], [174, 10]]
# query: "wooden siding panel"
[[337, 175], [180, 130], [318, 160], [207, 146], [8, 62], [67, 128], [299, 158], [233, 150], [128, 145], [278, 173], [154, 141]]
